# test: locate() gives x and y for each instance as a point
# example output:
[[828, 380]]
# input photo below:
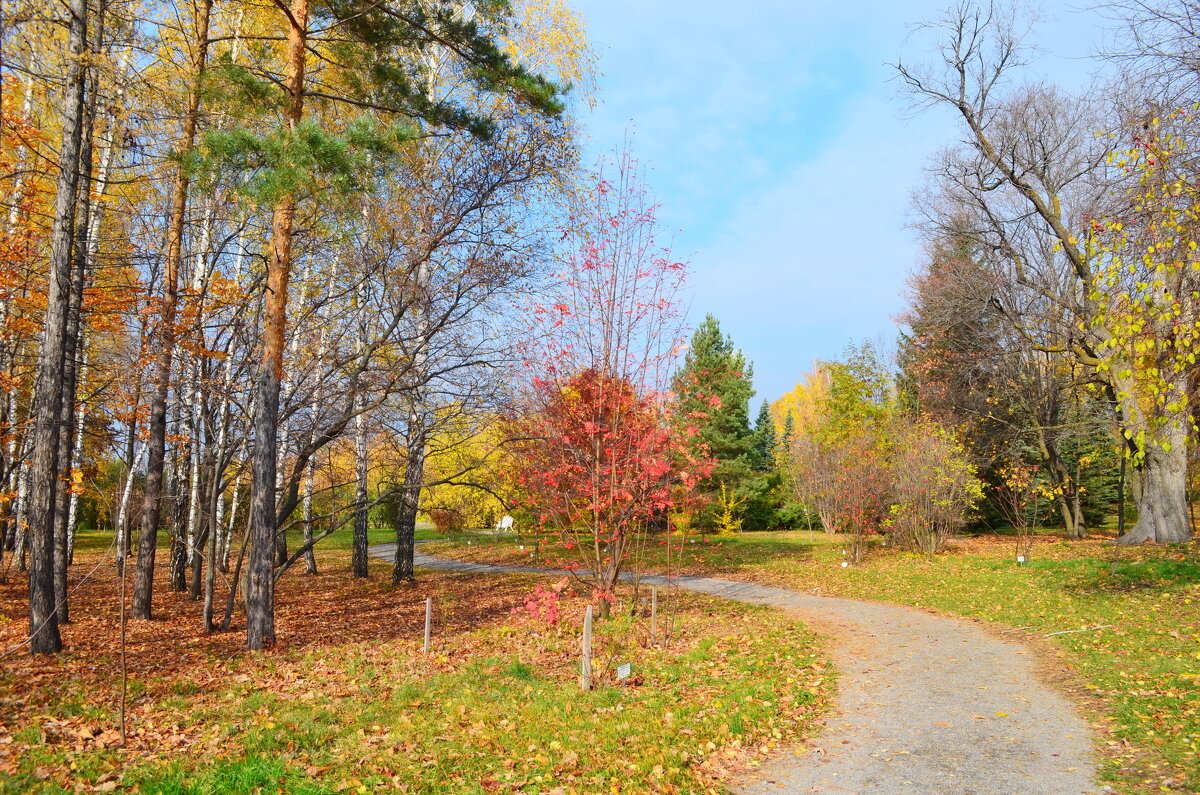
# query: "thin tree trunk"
[[48, 387], [310, 558], [123, 513], [210, 571], [22, 520], [143, 585], [216, 490], [201, 534], [233, 509], [358, 558], [12, 465], [195, 400], [177, 522], [74, 339], [91, 238], [222, 531], [281, 544], [1059, 476], [73, 502], [233, 584], [260, 592], [1077, 503]]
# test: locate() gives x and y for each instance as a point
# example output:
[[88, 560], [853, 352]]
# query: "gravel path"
[[925, 704]]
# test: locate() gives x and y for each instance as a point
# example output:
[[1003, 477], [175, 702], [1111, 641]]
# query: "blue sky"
[[783, 155]]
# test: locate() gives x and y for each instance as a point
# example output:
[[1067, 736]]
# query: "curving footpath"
[[925, 704]]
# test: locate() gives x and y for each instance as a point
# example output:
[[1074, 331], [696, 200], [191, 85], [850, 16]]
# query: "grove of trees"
[[246, 248]]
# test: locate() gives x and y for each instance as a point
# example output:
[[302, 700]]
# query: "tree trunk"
[[143, 584], [227, 536], [260, 582], [73, 501], [1059, 476], [611, 572], [13, 466], [74, 340], [216, 492], [410, 499], [310, 558], [358, 561], [22, 520], [197, 563], [176, 523], [1077, 503], [46, 410], [123, 518], [1162, 494], [1070, 525]]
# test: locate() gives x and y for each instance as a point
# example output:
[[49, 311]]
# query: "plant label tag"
[[623, 672]]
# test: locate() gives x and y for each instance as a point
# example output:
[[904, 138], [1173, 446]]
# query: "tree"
[[44, 636], [716, 380], [841, 454], [1147, 296], [1022, 494], [419, 151], [601, 457], [766, 441]]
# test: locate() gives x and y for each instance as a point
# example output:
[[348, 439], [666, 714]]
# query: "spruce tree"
[[765, 440], [715, 381]]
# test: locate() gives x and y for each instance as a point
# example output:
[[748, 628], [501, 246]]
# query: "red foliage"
[[601, 459]]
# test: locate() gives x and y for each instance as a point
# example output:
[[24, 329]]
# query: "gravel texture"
[[925, 704]]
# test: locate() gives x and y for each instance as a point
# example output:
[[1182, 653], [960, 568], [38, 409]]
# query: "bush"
[[933, 486], [446, 520]]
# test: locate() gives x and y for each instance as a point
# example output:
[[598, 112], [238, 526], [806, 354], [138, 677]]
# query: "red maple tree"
[[602, 459]]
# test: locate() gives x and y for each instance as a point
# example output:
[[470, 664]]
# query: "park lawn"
[[348, 701], [1138, 680]]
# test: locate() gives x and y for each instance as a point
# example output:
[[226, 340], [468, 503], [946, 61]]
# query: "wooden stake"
[[428, 620], [585, 680], [653, 616]]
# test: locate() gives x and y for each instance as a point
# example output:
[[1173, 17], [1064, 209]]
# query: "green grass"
[[1142, 674], [494, 708]]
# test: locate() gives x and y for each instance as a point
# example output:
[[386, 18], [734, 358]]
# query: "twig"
[[1072, 631], [1014, 629]]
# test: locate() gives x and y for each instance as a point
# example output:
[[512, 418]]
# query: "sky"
[[785, 156]]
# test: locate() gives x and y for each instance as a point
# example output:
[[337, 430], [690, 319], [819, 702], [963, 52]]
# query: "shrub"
[[446, 520], [933, 486]]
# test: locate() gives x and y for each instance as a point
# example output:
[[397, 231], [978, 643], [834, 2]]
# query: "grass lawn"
[[1137, 680], [348, 701]]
